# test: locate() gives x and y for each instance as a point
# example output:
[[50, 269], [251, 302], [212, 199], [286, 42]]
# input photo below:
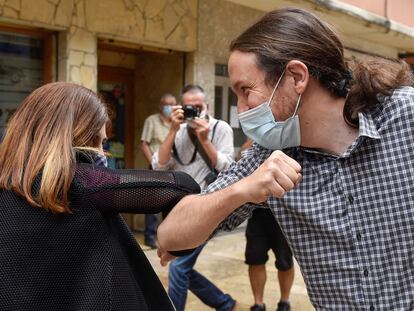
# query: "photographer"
[[201, 146]]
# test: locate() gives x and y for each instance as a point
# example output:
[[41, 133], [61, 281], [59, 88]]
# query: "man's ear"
[[300, 74]]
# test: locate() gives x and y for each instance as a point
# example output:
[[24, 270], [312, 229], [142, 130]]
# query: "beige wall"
[[400, 11], [170, 24], [219, 22], [155, 75], [117, 59]]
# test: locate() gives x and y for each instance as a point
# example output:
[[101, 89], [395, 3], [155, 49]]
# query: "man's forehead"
[[194, 97], [168, 100]]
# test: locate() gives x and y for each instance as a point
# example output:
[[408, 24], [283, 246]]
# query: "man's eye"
[[245, 90]]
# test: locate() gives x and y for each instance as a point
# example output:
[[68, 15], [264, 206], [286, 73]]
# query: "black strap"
[[177, 157], [200, 149]]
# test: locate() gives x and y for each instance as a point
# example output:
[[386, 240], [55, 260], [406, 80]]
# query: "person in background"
[[201, 146], [64, 245], [155, 130], [332, 159], [262, 234]]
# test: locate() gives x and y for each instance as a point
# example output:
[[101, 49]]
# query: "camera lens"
[[190, 112]]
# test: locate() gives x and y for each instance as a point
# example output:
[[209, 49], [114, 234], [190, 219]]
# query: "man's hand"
[[164, 256], [201, 129], [276, 176], [177, 117]]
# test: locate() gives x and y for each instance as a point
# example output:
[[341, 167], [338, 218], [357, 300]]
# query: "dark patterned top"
[[86, 260], [350, 222]]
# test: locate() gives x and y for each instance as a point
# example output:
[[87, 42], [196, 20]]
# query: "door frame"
[[127, 77]]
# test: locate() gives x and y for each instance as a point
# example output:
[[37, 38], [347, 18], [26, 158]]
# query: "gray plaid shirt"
[[350, 222]]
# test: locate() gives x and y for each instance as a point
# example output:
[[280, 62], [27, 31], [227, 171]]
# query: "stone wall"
[[170, 24], [219, 23], [116, 59], [155, 75]]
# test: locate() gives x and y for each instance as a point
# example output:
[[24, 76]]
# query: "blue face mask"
[[166, 110], [260, 125]]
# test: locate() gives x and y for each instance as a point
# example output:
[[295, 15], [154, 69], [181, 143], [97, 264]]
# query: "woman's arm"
[[133, 191]]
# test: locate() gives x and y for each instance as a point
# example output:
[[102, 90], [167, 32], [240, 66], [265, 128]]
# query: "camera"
[[190, 112]]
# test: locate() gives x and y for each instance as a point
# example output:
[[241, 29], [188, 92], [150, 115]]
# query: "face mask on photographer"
[[260, 125], [203, 114]]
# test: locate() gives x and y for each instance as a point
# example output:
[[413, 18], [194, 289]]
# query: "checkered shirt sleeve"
[[250, 161]]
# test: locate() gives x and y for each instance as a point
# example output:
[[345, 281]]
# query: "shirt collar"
[[367, 129], [367, 126]]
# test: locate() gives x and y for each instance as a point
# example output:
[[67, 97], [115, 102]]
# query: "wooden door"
[[116, 85]]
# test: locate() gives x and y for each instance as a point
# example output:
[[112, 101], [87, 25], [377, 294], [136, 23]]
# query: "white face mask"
[[260, 125]]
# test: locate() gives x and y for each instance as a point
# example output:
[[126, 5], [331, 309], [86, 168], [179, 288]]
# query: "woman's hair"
[[41, 139], [295, 34]]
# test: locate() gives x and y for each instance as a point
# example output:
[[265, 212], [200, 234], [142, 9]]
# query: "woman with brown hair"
[[63, 244], [348, 129]]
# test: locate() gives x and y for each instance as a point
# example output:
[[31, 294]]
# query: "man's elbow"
[[162, 237]]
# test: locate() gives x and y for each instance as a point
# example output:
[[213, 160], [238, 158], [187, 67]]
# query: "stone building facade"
[[157, 46], [134, 51]]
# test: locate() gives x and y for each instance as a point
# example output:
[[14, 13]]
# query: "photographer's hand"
[[164, 153], [201, 129], [177, 117]]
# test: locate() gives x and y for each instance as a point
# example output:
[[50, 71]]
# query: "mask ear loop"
[[274, 89], [297, 105]]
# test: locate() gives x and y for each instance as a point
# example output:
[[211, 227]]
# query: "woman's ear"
[[300, 74]]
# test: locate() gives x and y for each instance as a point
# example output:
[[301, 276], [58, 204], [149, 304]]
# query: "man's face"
[[248, 83], [169, 101], [195, 99]]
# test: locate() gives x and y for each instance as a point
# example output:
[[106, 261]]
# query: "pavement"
[[222, 262]]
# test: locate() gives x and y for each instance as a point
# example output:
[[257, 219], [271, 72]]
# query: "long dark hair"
[[287, 34]]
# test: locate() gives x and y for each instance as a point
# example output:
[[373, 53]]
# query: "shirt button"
[[358, 236], [365, 272], [371, 308], [350, 199]]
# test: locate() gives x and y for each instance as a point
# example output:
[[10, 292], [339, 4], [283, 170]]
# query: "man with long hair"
[[332, 159]]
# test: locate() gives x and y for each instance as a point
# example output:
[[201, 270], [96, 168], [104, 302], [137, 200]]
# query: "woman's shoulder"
[[88, 175]]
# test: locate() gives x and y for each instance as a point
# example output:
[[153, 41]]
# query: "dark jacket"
[[87, 260]]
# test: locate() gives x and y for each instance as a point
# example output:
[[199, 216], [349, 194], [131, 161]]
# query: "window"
[[225, 104], [25, 64]]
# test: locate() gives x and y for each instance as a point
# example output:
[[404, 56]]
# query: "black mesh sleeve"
[[133, 191]]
